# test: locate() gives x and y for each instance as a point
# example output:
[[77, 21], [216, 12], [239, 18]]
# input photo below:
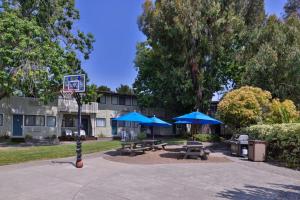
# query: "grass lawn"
[[24, 154]]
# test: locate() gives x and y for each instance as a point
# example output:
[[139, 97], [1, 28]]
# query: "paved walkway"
[[106, 180]]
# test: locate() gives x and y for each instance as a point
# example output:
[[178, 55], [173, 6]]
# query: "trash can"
[[257, 150], [234, 147]]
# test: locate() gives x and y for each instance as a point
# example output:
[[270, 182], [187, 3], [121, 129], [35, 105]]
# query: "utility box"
[[257, 150]]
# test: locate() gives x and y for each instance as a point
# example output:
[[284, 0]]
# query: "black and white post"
[[79, 162]]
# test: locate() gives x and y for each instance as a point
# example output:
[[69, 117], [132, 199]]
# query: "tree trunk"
[[2, 95], [198, 88]]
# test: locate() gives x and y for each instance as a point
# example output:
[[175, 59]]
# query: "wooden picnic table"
[[132, 147], [194, 150], [154, 144]]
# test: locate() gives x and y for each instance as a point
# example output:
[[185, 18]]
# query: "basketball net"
[[68, 95]]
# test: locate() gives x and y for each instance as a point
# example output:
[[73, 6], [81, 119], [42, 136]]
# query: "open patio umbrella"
[[134, 117], [156, 122], [196, 118]]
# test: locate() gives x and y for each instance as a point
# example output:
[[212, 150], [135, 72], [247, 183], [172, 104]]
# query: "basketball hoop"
[[74, 89], [68, 95]]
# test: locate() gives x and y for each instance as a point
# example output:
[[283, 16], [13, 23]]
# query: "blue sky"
[[114, 25]]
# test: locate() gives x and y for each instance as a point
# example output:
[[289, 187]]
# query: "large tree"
[[30, 63], [44, 31], [190, 51], [274, 58], [292, 7], [124, 89]]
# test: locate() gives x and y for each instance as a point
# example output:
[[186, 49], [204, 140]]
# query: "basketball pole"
[[79, 162]]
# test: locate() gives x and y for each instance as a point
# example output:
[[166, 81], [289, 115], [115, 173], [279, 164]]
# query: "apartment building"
[[21, 116]]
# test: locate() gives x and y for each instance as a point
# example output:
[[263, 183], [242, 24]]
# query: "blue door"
[[114, 127], [17, 125]]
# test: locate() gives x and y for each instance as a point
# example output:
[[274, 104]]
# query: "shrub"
[[283, 141], [28, 137], [282, 112], [203, 137], [141, 136], [243, 106]]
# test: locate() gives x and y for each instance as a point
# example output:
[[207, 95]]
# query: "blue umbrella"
[[197, 118], [134, 117], [182, 122], [156, 122]]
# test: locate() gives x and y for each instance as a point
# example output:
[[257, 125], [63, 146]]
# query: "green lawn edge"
[[25, 154]]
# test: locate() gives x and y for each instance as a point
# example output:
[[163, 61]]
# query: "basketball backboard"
[[74, 83]]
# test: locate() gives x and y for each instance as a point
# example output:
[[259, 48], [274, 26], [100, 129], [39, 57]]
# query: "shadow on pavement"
[[275, 191]]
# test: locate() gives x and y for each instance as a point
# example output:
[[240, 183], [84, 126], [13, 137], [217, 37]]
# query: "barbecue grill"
[[238, 143]]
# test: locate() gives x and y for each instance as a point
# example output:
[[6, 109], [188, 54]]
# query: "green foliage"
[[243, 106], [292, 7], [28, 137], [91, 94], [272, 58], [124, 89], [203, 137], [141, 136], [283, 141], [38, 45], [282, 112], [250, 105], [103, 88], [189, 53]]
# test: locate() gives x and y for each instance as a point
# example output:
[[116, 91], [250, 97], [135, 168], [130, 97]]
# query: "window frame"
[[2, 124], [134, 100], [69, 117], [128, 103], [123, 100], [104, 99], [112, 97], [101, 118], [35, 120], [50, 116]]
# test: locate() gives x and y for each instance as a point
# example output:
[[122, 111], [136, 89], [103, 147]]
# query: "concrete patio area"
[[107, 180]]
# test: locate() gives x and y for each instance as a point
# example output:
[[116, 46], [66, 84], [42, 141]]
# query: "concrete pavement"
[[106, 180]]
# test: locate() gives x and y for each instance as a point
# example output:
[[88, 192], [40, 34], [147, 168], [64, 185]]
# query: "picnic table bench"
[[155, 144], [132, 148], [195, 150], [160, 146]]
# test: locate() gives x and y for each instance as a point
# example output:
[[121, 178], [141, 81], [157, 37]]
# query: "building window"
[[121, 123], [134, 102], [103, 99], [100, 122], [134, 124], [128, 101], [127, 124], [122, 100], [34, 120], [114, 100], [1, 119], [51, 121], [69, 121]]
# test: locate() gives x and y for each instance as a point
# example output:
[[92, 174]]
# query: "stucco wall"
[[30, 106]]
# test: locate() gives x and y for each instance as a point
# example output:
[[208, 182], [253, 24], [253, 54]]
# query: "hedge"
[[283, 141], [203, 137]]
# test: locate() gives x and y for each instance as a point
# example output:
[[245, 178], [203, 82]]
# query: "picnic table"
[[133, 147], [154, 144], [195, 150]]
